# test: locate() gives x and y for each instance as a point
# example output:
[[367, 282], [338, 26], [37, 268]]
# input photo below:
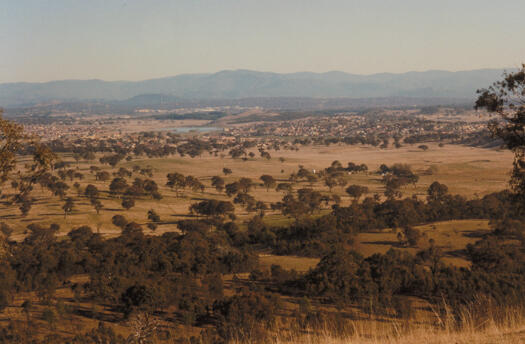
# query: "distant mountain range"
[[238, 84]]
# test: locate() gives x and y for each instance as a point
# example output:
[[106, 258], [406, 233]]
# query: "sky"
[[142, 39]]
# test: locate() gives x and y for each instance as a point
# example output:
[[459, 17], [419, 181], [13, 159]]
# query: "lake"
[[196, 129]]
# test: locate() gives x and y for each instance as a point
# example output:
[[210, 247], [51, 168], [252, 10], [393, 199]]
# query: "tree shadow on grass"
[[191, 216], [9, 216], [198, 199], [384, 242], [480, 233], [33, 219], [99, 316], [462, 253]]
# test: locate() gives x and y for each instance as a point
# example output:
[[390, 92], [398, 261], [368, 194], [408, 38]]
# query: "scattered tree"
[[68, 206], [268, 181], [128, 203], [356, 191]]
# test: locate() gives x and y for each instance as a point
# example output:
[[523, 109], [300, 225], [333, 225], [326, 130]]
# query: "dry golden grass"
[[467, 171], [483, 321], [494, 335], [451, 236], [299, 264]]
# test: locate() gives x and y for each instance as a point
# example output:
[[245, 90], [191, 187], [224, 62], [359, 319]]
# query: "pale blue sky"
[[133, 40]]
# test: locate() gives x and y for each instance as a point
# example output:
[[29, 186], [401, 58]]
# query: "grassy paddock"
[[482, 322], [299, 264], [471, 172], [451, 236]]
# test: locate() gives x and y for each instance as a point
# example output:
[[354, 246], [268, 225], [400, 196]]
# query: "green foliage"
[[213, 208], [246, 316], [232, 189], [137, 298], [119, 221], [7, 284], [506, 98], [100, 334], [268, 181], [128, 203], [118, 186], [49, 316], [436, 191], [344, 276], [356, 191], [68, 206], [218, 183]]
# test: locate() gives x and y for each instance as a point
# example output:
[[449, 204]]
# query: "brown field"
[[472, 172], [451, 236], [299, 264]]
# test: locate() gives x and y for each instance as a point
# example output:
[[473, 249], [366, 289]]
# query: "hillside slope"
[[244, 84]]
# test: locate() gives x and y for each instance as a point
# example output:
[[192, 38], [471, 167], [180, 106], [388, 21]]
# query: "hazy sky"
[[132, 40]]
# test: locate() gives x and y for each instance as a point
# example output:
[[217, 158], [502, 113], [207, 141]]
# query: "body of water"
[[195, 129]]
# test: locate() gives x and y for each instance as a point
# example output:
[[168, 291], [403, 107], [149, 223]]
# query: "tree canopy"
[[506, 98]]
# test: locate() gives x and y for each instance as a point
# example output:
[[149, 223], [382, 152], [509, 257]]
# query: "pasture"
[[471, 172]]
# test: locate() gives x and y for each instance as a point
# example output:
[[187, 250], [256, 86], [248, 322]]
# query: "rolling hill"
[[238, 84]]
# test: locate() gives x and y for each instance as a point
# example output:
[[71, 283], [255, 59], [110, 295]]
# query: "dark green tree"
[[268, 181], [506, 98], [128, 203], [68, 206]]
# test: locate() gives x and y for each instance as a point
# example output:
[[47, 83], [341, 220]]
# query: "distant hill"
[[249, 84]]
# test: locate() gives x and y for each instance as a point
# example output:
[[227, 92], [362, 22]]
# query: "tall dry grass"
[[483, 321]]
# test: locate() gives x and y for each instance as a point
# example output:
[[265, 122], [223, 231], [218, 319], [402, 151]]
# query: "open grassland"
[[299, 264], [451, 236], [466, 170], [471, 172]]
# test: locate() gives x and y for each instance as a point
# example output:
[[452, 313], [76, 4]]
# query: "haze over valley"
[[277, 172], [250, 84]]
